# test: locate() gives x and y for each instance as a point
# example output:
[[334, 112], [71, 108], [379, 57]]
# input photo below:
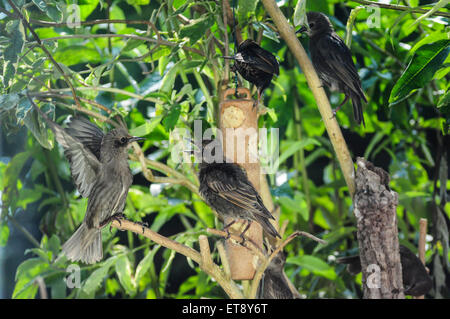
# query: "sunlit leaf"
[[420, 70]]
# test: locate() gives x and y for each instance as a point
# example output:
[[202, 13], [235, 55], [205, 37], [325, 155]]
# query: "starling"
[[416, 280], [274, 284], [333, 62], [226, 188], [255, 64], [100, 171]]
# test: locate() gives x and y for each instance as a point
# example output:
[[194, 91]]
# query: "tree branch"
[[401, 8], [203, 259]]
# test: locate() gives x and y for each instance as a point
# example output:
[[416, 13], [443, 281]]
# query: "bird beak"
[[135, 139], [301, 30], [229, 57]]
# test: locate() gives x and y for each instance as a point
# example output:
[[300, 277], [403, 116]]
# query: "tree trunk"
[[375, 212]]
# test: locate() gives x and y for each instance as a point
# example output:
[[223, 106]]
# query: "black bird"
[[333, 62], [100, 171], [226, 188], [255, 64], [416, 280], [274, 284]]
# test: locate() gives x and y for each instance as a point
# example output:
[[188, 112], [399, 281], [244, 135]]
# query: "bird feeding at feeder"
[[226, 188], [255, 64]]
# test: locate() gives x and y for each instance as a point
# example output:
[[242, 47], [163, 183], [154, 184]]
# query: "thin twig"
[[118, 91], [401, 8], [226, 76], [247, 243], [53, 93], [266, 262], [27, 234], [126, 36], [223, 258], [42, 289], [47, 53]]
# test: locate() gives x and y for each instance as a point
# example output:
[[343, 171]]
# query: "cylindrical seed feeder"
[[239, 127]]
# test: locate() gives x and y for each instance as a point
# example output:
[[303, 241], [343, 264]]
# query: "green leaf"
[[11, 53], [94, 280], [171, 118], [8, 101], [426, 61], [147, 127], [86, 8], [4, 234], [300, 13], [295, 147], [123, 271], [315, 265], [145, 264], [25, 275], [444, 100], [54, 13], [169, 78], [138, 2], [245, 10], [9, 181], [40, 4], [75, 54], [37, 127], [196, 29], [23, 108]]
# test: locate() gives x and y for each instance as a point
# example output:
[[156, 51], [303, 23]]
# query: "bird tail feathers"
[[358, 110], [85, 245], [268, 227]]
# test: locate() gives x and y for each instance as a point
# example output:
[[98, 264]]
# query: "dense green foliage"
[[164, 75]]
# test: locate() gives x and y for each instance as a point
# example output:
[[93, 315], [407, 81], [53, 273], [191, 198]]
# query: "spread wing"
[[84, 165], [265, 60], [87, 133], [237, 190], [337, 56]]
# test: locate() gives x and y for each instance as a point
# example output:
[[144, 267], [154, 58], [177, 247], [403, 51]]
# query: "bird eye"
[[123, 140], [311, 25]]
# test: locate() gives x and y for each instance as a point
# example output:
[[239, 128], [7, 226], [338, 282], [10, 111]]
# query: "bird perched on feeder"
[[100, 171], [226, 188], [416, 280], [255, 64], [333, 62]]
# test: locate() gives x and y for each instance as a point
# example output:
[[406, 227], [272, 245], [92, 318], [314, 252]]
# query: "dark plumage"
[[333, 62], [255, 64], [100, 171], [416, 280], [274, 284], [226, 188]]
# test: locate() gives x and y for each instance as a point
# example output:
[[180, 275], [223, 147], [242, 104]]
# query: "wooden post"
[[239, 127], [375, 208], [422, 241]]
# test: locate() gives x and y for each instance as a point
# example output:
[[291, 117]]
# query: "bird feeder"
[[239, 127]]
